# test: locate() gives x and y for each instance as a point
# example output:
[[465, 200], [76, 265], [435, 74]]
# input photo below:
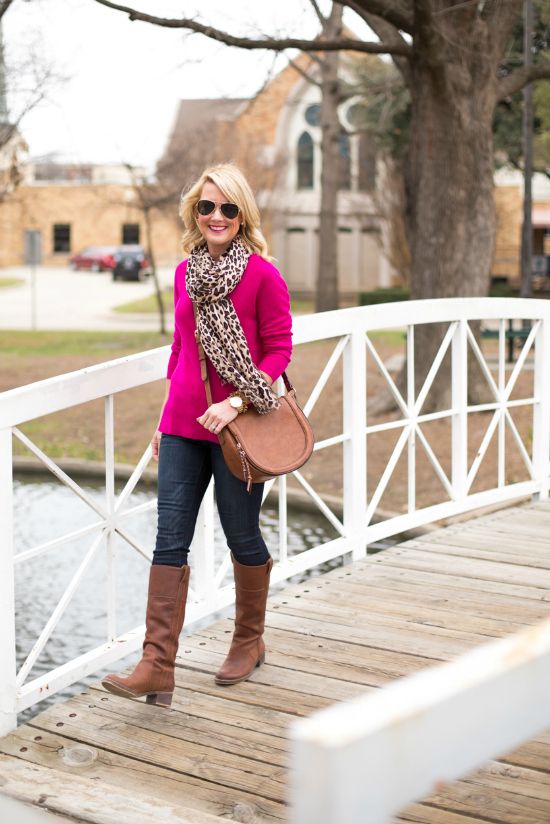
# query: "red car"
[[95, 258]]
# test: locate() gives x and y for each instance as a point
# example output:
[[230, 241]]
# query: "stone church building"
[[276, 139]]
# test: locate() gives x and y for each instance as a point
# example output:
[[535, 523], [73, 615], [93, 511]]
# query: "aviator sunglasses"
[[228, 210]]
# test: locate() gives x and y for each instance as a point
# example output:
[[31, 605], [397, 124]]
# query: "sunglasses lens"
[[229, 210], [205, 207]]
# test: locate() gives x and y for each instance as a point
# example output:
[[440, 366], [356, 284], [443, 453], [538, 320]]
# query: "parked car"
[[131, 263], [95, 258]]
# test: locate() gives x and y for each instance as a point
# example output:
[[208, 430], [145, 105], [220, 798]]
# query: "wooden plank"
[[185, 728], [290, 651], [512, 574], [396, 569], [533, 557], [508, 542], [491, 804], [43, 748], [89, 801], [420, 641], [519, 780], [374, 597], [250, 692], [390, 611], [135, 740], [214, 707], [224, 749], [419, 589], [332, 687], [534, 754], [423, 814]]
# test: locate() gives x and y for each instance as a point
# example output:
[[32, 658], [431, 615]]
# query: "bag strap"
[[204, 369], [202, 358]]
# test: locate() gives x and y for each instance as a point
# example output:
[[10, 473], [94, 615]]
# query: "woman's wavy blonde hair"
[[232, 183]]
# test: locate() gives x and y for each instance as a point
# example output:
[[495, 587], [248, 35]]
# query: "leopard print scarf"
[[209, 283]]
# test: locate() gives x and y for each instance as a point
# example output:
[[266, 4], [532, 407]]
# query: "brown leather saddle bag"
[[256, 447]]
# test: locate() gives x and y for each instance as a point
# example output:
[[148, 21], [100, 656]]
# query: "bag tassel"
[[247, 474]]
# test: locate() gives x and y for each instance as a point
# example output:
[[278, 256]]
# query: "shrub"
[[389, 295]]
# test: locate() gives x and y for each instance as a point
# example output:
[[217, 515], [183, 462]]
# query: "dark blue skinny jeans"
[[185, 468]]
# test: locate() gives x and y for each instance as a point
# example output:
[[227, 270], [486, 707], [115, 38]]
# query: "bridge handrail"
[[93, 382], [410, 739], [349, 328]]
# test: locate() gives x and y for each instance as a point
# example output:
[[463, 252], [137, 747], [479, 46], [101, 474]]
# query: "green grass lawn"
[[10, 281], [148, 304], [77, 432], [16, 344]]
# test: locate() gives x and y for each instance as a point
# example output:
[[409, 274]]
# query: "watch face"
[[236, 403]]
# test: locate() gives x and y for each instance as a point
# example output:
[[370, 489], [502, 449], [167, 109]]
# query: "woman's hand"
[[217, 416], [155, 444]]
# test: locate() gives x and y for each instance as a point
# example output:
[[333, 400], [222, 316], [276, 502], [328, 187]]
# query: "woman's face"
[[217, 229]]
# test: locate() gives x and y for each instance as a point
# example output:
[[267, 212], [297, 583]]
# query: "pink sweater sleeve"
[[176, 343], [275, 324]]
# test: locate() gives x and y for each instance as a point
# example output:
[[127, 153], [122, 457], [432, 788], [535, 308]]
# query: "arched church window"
[[305, 161], [313, 114]]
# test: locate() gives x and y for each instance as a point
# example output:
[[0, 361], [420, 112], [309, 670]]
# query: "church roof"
[[192, 114]]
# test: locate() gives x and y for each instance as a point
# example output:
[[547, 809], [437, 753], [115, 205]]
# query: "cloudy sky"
[[121, 81]]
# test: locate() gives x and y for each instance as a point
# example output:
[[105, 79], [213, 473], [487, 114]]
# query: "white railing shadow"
[[351, 330]]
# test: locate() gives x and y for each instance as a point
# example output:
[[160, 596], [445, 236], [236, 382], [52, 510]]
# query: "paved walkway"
[[221, 753], [75, 300]]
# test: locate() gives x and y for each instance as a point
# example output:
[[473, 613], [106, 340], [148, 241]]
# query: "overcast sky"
[[122, 80]]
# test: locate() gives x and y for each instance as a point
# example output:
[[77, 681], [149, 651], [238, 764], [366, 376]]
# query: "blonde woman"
[[243, 314]]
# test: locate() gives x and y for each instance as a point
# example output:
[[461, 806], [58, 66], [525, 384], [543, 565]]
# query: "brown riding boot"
[[247, 649], [154, 674]]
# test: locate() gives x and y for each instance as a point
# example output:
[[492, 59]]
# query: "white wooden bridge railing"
[[350, 329]]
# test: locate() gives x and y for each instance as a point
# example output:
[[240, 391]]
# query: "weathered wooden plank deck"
[[222, 752]]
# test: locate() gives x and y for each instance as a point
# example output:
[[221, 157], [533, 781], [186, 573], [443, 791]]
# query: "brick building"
[[509, 210], [275, 137], [73, 206]]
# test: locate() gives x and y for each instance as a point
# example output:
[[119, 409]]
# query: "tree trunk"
[[327, 272], [451, 187], [158, 291]]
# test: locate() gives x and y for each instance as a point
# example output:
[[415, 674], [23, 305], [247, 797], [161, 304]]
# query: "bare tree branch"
[[320, 16], [272, 43], [4, 6], [297, 68], [387, 10], [519, 78], [387, 33]]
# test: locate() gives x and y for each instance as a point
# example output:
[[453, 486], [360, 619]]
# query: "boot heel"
[[261, 660], [160, 699]]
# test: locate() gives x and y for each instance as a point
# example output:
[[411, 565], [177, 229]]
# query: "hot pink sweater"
[[262, 304]]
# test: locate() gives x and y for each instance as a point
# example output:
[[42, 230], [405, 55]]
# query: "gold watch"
[[238, 402]]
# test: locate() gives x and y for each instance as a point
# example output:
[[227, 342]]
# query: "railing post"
[[202, 548], [355, 447], [541, 410], [110, 508], [459, 391], [8, 668]]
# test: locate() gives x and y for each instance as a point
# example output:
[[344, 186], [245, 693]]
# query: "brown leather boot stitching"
[[247, 649], [154, 674]]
